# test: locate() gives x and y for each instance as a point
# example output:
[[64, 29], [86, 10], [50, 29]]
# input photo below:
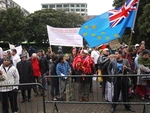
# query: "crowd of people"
[[33, 65]]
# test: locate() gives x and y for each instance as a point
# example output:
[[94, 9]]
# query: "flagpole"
[[132, 29]]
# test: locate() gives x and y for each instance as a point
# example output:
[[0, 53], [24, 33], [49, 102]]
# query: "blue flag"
[[109, 25]]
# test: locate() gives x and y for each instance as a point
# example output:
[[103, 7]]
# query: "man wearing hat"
[[83, 65], [137, 46], [10, 76], [25, 71], [103, 62]]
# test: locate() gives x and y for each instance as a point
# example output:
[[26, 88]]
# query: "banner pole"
[[51, 49]]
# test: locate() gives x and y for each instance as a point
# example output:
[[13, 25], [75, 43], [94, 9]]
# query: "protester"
[[15, 57], [137, 46], [60, 51], [63, 69], [31, 50], [83, 65], [54, 81], [109, 88], [24, 51], [9, 76], [36, 72], [103, 62], [143, 84], [49, 53], [95, 54], [44, 67], [120, 66], [25, 71], [71, 58]]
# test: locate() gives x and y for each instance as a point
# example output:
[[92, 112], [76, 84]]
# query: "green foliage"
[[37, 22], [16, 28], [118, 3], [12, 25], [144, 22]]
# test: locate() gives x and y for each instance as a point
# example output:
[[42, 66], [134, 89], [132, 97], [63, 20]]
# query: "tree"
[[144, 23], [12, 25], [118, 3], [36, 28]]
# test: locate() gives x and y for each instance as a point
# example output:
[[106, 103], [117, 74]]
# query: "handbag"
[[100, 79]]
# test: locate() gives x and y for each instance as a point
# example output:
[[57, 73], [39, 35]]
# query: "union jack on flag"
[[117, 15]]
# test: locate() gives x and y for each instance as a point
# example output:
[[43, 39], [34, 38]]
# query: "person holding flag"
[[120, 66]]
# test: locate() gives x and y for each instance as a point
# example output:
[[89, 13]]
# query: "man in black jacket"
[[25, 71], [54, 81], [44, 67], [103, 62], [120, 66]]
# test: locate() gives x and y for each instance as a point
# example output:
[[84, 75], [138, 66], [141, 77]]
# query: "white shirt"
[[95, 54], [15, 59]]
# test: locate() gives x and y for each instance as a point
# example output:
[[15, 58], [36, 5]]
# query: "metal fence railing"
[[71, 94], [36, 105], [70, 103]]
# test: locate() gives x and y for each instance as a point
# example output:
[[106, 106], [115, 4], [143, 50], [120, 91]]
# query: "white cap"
[[136, 45], [125, 46], [106, 49], [85, 51]]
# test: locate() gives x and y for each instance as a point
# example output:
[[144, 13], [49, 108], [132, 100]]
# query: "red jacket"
[[36, 67]]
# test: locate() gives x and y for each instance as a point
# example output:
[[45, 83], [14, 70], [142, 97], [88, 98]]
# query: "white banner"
[[64, 36], [18, 48]]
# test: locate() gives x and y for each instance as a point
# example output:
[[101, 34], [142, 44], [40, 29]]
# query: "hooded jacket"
[[11, 77]]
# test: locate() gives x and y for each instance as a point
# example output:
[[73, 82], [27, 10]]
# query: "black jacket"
[[43, 64], [25, 73], [53, 81], [112, 69], [102, 60]]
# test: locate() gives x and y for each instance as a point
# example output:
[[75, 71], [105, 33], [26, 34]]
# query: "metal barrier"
[[72, 94], [37, 104]]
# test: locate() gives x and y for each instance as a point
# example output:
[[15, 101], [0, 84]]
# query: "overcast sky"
[[95, 7]]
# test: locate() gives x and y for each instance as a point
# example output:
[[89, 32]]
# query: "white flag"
[[19, 49], [11, 46], [64, 36]]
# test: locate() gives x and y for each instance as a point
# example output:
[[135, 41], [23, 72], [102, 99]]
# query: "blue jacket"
[[63, 68]]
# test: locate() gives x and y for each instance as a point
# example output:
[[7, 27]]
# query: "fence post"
[[145, 109]]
